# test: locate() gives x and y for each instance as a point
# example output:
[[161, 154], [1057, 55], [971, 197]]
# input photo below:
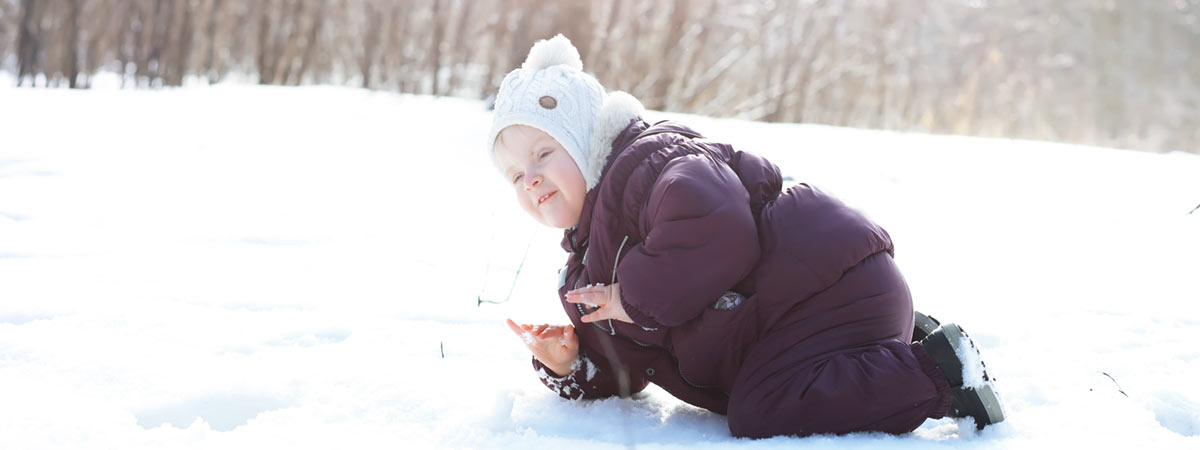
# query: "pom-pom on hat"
[[551, 92]]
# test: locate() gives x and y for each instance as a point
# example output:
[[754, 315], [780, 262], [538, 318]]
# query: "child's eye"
[[544, 154], [517, 178]]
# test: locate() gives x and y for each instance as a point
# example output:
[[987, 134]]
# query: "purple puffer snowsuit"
[[820, 343]]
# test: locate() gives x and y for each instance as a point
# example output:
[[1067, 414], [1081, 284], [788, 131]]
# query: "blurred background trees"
[[1123, 73]]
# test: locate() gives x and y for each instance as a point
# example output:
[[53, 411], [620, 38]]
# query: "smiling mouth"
[[544, 198]]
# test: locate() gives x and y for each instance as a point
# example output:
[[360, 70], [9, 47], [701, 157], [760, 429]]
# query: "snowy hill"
[[258, 267]]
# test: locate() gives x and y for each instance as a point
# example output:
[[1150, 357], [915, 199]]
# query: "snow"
[[591, 369], [267, 267], [973, 371]]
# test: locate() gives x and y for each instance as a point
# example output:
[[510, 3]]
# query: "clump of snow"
[[591, 368], [973, 369]]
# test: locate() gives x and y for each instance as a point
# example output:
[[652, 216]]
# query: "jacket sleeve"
[[701, 240], [590, 379]]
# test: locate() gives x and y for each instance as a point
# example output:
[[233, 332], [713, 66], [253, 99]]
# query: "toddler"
[[690, 267]]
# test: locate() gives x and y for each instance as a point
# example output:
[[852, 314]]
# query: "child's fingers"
[[595, 316], [592, 290], [522, 331], [589, 290], [516, 329], [590, 299]]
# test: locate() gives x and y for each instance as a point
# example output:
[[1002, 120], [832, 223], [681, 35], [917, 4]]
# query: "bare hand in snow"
[[607, 298], [555, 346]]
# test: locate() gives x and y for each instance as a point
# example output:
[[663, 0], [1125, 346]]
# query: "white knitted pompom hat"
[[551, 92]]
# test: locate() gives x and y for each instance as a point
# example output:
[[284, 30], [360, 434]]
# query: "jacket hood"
[[615, 115]]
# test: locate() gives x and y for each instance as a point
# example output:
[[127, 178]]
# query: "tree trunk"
[[72, 53], [213, 14], [144, 46], [264, 42], [435, 60], [669, 55], [183, 46], [27, 43], [370, 44], [499, 30], [154, 32], [289, 42], [464, 33], [310, 49], [127, 42], [399, 67]]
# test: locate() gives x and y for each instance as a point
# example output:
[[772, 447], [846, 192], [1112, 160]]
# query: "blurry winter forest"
[[1121, 73]]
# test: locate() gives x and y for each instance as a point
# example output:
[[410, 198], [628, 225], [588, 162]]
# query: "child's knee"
[[746, 419], [764, 408]]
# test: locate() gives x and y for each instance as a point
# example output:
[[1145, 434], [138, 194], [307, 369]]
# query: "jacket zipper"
[[613, 330], [616, 260]]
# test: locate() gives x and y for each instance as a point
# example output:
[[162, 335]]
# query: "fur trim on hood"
[[618, 110]]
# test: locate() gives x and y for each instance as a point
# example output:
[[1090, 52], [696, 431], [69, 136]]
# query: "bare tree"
[[29, 50], [8, 25]]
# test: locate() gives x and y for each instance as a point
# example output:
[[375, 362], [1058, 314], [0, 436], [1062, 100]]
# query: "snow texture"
[[255, 267], [973, 371]]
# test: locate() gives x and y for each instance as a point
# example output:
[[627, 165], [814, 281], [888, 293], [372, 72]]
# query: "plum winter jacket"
[[682, 222]]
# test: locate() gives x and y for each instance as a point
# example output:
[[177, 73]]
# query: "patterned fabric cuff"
[[568, 386]]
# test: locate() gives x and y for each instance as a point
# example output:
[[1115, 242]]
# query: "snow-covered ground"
[[261, 267]]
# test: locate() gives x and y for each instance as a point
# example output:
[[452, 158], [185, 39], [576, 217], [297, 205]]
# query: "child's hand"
[[555, 346], [607, 298]]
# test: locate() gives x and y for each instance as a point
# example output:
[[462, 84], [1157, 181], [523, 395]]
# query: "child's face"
[[545, 178]]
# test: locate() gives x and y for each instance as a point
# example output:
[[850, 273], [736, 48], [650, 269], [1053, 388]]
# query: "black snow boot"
[[923, 325], [974, 394]]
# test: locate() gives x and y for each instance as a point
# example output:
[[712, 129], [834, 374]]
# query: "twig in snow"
[[479, 301], [1114, 380], [1194, 209]]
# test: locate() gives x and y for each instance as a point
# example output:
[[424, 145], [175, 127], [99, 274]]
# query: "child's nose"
[[532, 181]]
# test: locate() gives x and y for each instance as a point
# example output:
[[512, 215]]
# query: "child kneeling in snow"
[[689, 267]]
